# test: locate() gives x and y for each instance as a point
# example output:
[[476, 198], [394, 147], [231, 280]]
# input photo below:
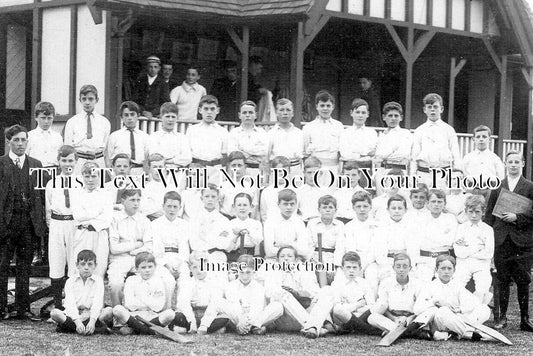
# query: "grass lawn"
[[27, 338]]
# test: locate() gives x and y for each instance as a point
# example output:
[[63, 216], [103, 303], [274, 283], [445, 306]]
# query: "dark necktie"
[[67, 197], [89, 127], [241, 247], [132, 144]]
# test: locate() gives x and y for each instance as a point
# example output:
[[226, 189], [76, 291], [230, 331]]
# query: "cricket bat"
[[164, 332], [489, 331], [322, 279], [393, 335]]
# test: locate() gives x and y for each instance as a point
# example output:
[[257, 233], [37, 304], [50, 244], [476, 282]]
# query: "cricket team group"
[[401, 257]]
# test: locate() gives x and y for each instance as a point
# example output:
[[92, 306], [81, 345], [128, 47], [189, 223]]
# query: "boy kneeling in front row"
[[144, 296], [84, 300]]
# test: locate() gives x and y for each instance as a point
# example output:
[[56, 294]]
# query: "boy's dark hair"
[[395, 172], [168, 108], [248, 102], [350, 165], [280, 160], [235, 155], [357, 102], [126, 193], [443, 258], [324, 96], [420, 188], [283, 101], [86, 255], [432, 98], [326, 200], [400, 257], [14, 130], [475, 200], [287, 195], [65, 151], [506, 155], [88, 167], [172, 195], [87, 89], [119, 156], [243, 195], [44, 107], [312, 162], [392, 106], [482, 128], [288, 247], [208, 99], [351, 256], [196, 67], [131, 106], [155, 157], [144, 257], [361, 196], [212, 187], [396, 197], [439, 193], [248, 260]]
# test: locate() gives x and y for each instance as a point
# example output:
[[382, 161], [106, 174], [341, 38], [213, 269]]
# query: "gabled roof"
[[234, 8], [519, 16]]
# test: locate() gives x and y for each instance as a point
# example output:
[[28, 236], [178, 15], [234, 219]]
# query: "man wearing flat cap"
[[151, 90]]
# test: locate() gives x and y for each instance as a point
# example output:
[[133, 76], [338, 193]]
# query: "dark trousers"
[[19, 239], [513, 263]]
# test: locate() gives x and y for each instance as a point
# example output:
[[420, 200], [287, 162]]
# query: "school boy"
[[208, 140], [88, 131], [418, 198], [43, 141], [482, 161], [513, 243], [358, 142], [474, 248], [247, 233], [92, 212], [129, 139], [347, 300], [195, 294], [168, 142], [144, 295], [191, 196], [285, 139], [286, 229], [129, 234], [397, 297], [331, 230], [211, 230], [249, 138], [84, 310], [158, 184], [436, 237], [311, 190], [187, 96], [243, 302], [379, 203], [321, 136], [268, 205], [435, 142], [60, 222], [351, 175], [359, 237]]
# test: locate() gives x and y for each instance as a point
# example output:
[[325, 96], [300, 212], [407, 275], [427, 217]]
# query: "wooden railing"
[[466, 142]]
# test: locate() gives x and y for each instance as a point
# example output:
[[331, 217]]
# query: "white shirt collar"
[[13, 157]]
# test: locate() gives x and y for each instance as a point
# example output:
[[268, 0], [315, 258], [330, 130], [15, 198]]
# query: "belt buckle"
[[434, 254]]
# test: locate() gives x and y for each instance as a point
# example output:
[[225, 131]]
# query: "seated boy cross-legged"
[[84, 300], [144, 295]]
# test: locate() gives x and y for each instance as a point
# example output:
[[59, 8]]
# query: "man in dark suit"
[[513, 242], [151, 90], [227, 90], [21, 219]]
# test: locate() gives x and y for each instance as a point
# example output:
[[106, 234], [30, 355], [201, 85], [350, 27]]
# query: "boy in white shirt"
[[247, 232], [310, 192], [351, 175], [187, 96], [43, 142], [158, 184], [268, 206], [482, 161]]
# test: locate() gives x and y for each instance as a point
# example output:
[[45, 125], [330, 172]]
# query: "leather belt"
[[434, 254], [427, 169], [136, 165], [216, 249], [325, 249], [90, 156], [394, 166], [295, 162], [214, 162], [252, 165], [172, 249], [62, 217]]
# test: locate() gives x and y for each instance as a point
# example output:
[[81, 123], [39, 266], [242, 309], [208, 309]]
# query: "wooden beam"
[[454, 71], [410, 11], [398, 41], [485, 17], [366, 8], [36, 55], [316, 12], [529, 145], [449, 13], [526, 72], [245, 53], [429, 20], [344, 5], [388, 9], [422, 42], [96, 12], [506, 97], [235, 38], [40, 5], [468, 14], [492, 53], [73, 60], [519, 31], [316, 29], [297, 71]]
